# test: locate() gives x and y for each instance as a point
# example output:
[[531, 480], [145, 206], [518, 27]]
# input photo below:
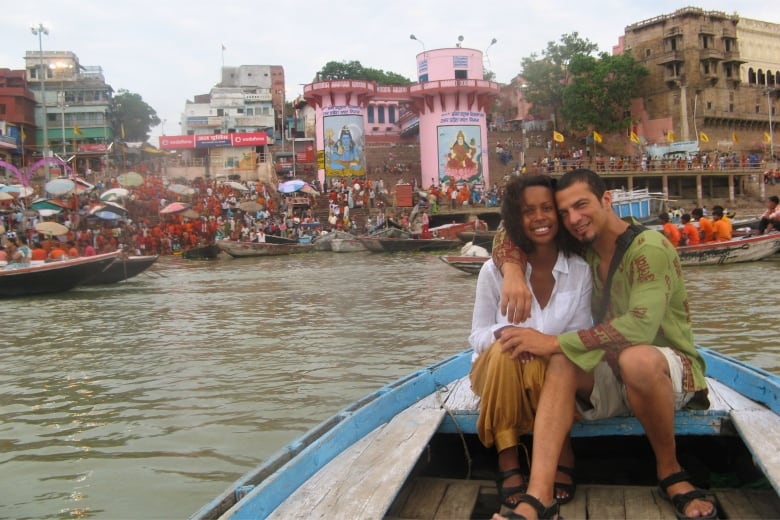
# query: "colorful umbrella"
[[6, 196], [60, 186], [22, 191], [236, 186], [130, 179], [309, 189]]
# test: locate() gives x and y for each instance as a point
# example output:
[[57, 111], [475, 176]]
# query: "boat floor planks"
[[760, 431], [363, 481], [439, 498]]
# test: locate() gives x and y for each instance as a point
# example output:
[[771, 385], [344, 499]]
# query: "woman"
[[561, 284]]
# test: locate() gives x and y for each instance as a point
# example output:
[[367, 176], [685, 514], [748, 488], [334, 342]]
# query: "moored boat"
[[346, 245], [323, 242], [482, 238], [248, 249], [202, 252], [52, 277], [468, 264], [122, 268], [391, 245], [744, 249], [451, 230], [398, 450]]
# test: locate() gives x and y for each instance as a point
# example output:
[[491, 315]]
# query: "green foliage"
[[600, 92], [133, 114], [335, 70], [546, 76]]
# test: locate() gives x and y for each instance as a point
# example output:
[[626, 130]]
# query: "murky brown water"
[[146, 399]]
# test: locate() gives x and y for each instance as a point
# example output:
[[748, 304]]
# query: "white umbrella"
[[114, 193], [51, 228], [60, 186], [23, 191], [4, 195], [236, 186]]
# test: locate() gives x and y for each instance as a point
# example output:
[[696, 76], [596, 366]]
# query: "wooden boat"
[[323, 242], [204, 252], [391, 245], [641, 204], [746, 249], [52, 277], [346, 245], [278, 239], [409, 450], [468, 264], [451, 230], [122, 268], [245, 249]]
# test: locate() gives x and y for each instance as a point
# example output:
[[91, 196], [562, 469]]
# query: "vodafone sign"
[[181, 142]]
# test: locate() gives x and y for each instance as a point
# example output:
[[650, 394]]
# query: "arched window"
[[761, 80], [770, 78], [751, 76]]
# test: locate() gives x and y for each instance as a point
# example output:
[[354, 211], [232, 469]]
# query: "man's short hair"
[[697, 212], [595, 183], [717, 210], [774, 199]]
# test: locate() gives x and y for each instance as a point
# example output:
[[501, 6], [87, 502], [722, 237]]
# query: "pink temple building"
[[447, 108]]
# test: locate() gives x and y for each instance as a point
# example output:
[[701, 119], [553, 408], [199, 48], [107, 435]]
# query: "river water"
[[148, 398]]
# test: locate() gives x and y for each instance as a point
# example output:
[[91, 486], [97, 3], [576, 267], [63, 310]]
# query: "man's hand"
[[515, 294], [521, 341]]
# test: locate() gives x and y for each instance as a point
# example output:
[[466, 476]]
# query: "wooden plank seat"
[[462, 407]]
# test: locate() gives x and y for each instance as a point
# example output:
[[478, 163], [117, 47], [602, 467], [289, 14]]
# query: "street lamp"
[[523, 90], [460, 41], [492, 42], [63, 106], [39, 30], [413, 37]]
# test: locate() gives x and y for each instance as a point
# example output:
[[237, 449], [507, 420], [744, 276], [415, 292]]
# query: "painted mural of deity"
[[461, 154], [343, 148]]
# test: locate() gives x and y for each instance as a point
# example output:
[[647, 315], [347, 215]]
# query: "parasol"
[[130, 179], [60, 186], [181, 189], [22, 191], [291, 186], [114, 194], [108, 211], [309, 189], [6, 196], [39, 204], [250, 206], [51, 228], [236, 186], [189, 213], [174, 207]]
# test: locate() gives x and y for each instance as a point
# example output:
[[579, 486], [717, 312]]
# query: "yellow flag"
[[597, 137], [77, 130], [24, 135], [669, 136], [122, 130], [767, 138], [634, 138], [558, 137], [703, 137], [734, 137]]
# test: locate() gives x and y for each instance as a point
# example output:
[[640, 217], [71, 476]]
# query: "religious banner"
[[344, 141], [460, 153]]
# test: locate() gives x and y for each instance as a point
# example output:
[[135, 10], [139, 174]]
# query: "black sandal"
[[570, 489], [505, 493], [681, 500], [544, 513]]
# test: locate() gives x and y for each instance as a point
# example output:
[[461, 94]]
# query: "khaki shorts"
[[608, 398]]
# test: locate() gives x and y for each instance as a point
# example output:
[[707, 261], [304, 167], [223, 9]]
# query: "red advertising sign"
[[239, 139]]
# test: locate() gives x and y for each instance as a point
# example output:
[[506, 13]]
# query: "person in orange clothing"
[[690, 234], [722, 230], [38, 252], [57, 252], [670, 231], [72, 251], [705, 225]]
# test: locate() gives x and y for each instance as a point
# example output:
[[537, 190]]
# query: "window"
[[423, 78], [391, 114], [461, 74], [709, 105], [370, 113], [648, 52], [2, 108], [380, 114]]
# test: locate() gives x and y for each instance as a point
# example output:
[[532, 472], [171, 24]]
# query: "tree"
[[547, 75], [599, 95], [133, 117], [335, 70]]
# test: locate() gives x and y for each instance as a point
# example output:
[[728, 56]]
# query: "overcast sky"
[[169, 51]]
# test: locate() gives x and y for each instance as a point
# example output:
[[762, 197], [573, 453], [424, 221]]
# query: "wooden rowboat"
[[468, 264], [122, 268], [52, 277], [746, 249], [391, 245], [247, 249], [409, 450]]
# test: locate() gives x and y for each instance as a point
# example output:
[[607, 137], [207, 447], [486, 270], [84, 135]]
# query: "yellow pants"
[[509, 392]]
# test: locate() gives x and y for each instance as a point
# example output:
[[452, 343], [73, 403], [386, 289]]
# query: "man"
[[722, 230], [669, 230], [690, 234], [770, 220], [705, 225], [640, 357]]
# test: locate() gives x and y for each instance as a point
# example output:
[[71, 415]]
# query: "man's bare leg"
[[650, 393]]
